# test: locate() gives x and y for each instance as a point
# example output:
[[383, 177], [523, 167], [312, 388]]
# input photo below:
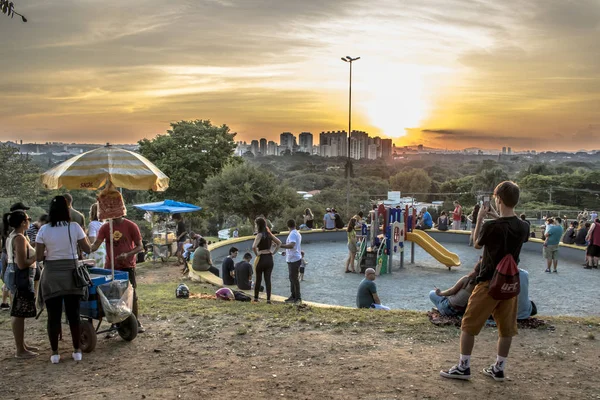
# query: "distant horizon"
[[443, 73]]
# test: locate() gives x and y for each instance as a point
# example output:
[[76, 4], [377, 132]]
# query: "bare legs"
[[350, 262]]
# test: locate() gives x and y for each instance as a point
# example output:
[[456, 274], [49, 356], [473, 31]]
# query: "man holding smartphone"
[[504, 234]]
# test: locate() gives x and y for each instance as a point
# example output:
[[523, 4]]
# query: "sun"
[[395, 99]]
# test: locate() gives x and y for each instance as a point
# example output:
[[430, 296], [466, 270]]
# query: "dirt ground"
[[207, 349]]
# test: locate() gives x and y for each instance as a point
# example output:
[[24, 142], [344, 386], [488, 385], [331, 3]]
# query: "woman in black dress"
[[263, 263]]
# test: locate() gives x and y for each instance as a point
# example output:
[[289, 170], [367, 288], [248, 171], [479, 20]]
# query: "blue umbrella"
[[168, 207]]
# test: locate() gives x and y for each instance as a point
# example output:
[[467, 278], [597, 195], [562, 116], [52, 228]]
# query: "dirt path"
[[205, 349]]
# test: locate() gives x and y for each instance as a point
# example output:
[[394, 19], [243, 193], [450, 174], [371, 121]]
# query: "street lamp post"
[[349, 60]]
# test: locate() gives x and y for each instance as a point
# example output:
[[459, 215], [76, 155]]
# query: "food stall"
[[164, 239]]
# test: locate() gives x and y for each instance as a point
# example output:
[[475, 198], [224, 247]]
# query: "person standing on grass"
[[127, 242], [456, 215], [56, 245], [498, 237], [182, 235], [293, 257], [553, 234], [263, 263], [228, 267]]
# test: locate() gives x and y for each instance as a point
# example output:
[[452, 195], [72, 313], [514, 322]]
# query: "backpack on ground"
[[241, 296], [505, 283]]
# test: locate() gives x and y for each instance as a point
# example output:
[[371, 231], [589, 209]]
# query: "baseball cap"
[[19, 206], [328, 209]]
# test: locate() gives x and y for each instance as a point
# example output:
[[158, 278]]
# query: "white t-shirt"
[[293, 255], [56, 240], [93, 228]]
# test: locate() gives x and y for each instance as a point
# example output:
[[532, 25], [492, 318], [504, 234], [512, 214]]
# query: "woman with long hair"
[[352, 248], [263, 249], [58, 240], [442, 222], [473, 218], [309, 218], [99, 256], [19, 277]]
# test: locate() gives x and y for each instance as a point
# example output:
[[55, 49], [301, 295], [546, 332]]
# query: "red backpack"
[[505, 283]]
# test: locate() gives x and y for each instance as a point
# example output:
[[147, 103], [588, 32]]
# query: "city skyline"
[[448, 74]]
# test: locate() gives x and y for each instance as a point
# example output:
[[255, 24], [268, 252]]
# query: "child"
[[302, 266]]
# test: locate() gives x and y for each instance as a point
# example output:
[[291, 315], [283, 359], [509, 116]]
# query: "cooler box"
[[99, 276]]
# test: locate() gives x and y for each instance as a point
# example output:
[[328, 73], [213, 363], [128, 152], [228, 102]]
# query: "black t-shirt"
[[243, 273], [580, 238], [180, 231], [500, 237], [226, 268]]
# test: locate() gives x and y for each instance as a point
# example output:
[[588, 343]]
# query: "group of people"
[[265, 245], [39, 260]]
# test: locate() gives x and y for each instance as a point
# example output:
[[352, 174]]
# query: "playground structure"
[[378, 250]]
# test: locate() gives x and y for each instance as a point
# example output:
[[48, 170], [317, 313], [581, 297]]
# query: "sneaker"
[[555, 271], [595, 266], [269, 302], [456, 373], [548, 270], [298, 300], [494, 373], [77, 356], [141, 328], [588, 267], [290, 300], [4, 307], [55, 358], [112, 332]]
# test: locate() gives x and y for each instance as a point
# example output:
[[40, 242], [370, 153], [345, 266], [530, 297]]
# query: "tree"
[[248, 191], [413, 180], [19, 176], [487, 180], [188, 154]]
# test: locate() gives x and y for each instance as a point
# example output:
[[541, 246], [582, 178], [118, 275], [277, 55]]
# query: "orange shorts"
[[481, 305]]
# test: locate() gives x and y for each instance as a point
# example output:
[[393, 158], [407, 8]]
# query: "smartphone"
[[486, 201]]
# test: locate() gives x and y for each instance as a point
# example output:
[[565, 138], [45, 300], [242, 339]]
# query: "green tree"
[[188, 154], [413, 180], [19, 175], [486, 180], [248, 191]]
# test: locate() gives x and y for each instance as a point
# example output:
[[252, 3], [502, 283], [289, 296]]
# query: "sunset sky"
[[444, 73]]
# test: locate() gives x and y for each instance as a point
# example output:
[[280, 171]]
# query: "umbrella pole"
[[112, 249]]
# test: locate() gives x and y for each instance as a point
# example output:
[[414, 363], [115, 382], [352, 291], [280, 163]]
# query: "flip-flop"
[[32, 349], [348, 272]]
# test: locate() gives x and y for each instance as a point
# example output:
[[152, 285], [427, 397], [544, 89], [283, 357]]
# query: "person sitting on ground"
[[526, 307], [571, 233], [426, 222], [442, 222], [243, 273], [202, 260], [581, 234], [366, 296], [228, 267], [302, 267], [454, 301], [328, 220], [553, 234]]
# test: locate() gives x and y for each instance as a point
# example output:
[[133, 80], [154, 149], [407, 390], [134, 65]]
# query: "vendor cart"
[[164, 240], [91, 310]]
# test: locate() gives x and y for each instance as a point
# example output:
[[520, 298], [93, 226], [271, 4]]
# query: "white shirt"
[[93, 228], [293, 255], [56, 240]]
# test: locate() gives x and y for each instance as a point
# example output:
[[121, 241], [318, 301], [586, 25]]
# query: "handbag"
[[81, 276]]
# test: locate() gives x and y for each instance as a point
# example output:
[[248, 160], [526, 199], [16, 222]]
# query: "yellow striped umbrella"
[[93, 169]]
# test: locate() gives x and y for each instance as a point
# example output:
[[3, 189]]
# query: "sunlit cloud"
[[490, 72]]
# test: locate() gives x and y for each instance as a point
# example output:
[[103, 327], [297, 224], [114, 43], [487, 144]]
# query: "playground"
[[211, 349]]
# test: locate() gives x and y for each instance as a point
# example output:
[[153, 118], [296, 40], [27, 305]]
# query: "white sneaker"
[[77, 356], [55, 358]]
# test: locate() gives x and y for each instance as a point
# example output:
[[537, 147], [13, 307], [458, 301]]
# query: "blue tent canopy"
[[169, 207]]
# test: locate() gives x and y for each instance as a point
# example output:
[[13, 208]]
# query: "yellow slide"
[[433, 247]]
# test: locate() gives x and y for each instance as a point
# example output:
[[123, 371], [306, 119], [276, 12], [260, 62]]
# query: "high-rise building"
[[509, 151], [356, 148], [287, 141], [372, 151], [305, 140], [333, 144], [504, 150], [360, 147], [254, 147], [272, 148], [241, 148], [263, 147], [385, 148]]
